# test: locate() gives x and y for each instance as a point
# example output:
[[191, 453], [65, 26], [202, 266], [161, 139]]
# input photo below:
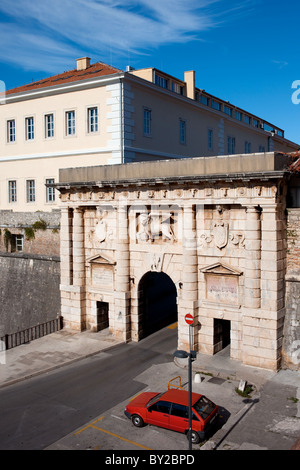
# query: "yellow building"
[[99, 115]]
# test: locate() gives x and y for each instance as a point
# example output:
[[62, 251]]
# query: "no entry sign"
[[189, 319]]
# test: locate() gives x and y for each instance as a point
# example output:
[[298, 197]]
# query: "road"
[[39, 411]]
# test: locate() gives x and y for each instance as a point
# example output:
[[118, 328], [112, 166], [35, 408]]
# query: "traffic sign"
[[189, 319]]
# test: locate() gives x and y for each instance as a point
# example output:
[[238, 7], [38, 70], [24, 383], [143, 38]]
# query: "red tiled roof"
[[95, 70]]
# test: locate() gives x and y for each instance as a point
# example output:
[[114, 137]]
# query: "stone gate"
[[215, 227]]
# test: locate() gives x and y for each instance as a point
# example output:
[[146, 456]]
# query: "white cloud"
[[45, 35]]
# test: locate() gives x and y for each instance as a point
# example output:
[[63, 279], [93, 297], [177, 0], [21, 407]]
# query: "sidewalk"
[[50, 352], [65, 346]]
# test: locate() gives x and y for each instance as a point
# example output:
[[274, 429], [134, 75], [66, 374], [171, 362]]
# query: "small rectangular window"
[[216, 105], [17, 243], [182, 131], [210, 136], [29, 128], [70, 123], [204, 100], [30, 190], [247, 147], [12, 191], [11, 130], [161, 81], [92, 120], [228, 110], [230, 145], [147, 122], [49, 126], [50, 191], [238, 115]]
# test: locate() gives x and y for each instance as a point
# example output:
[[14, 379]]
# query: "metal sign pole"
[[190, 389]]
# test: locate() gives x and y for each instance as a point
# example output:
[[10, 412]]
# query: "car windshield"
[[153, 399], [204, 407]]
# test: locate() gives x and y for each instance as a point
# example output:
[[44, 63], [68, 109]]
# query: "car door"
[[179, 417], [159, 414]]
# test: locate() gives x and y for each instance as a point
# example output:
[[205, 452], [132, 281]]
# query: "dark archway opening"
[[221, 334], [157, 303]]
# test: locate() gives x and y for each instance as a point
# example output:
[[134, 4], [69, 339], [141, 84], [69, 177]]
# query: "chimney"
[[189, 78], [83, 63]]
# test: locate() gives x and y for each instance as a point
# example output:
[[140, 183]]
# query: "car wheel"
[[137, 421], [195, 438]]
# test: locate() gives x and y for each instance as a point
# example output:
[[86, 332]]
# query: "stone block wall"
[[40, 232], [29, 291], [291, 343]]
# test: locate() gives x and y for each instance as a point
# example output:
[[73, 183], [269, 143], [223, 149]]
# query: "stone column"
[[273, 264], [122, 279], [252, 258], [252, 287], [66, 254], [189, 293], [66, 263], [77, 319]]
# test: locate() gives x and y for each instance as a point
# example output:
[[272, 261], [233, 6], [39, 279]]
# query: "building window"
[[12, 191], [230, 145], [92, 120], [50, 191], [49, 126], [29, 128], [70, 123], [261, 148], [247, 119], [238, 115], [228, 110], [204, 100], [210, 136], [30, 190], [177, 88], [182, 131], [247, 147], [11, 130], [147, 122], [17, 243], [161, 81], [216, 105]]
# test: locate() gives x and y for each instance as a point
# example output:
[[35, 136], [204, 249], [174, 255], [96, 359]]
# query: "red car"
[[170, 410]]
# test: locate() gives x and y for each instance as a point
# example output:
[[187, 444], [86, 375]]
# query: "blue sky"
[[246, 52]]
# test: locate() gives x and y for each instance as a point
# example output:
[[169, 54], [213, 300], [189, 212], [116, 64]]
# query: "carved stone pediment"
[[221, 268], [100, 259]]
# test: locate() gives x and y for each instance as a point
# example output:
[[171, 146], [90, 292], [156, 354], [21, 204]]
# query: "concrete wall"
[[29, 291]]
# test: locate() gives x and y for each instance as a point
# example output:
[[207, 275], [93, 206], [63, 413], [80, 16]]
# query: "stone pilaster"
[[253, 259], [66, 253], [122, 277], [189, 293], [75, 317]]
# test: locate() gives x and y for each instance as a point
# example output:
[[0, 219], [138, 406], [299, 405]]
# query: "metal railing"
[[29, 334]]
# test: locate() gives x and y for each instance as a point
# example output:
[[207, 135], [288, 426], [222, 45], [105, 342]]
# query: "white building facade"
[[96, 114]]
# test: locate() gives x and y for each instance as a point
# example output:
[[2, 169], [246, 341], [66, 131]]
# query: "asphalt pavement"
[[268, 419]]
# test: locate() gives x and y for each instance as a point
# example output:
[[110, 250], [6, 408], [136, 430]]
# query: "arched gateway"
[[146, 243], [157, 297]]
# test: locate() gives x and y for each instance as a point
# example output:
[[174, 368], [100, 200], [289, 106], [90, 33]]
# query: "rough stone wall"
[[40, 231], [291, 344], [29, 291]]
